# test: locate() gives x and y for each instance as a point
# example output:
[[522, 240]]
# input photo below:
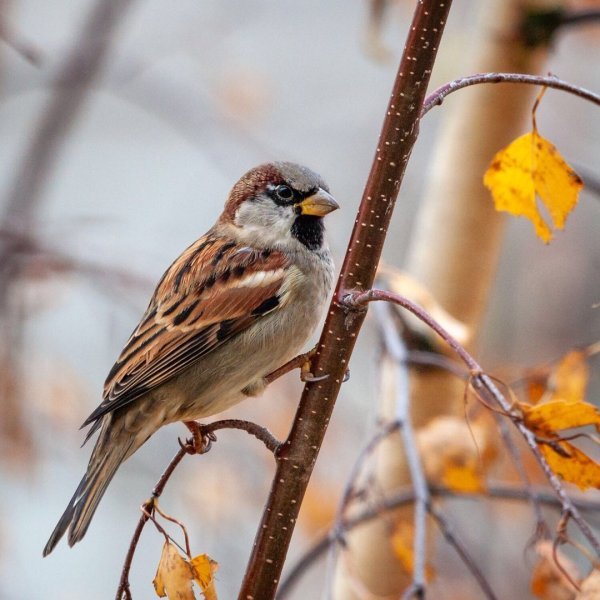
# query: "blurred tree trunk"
[[454, 253]]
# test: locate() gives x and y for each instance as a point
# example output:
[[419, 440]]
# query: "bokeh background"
[[193, 94]]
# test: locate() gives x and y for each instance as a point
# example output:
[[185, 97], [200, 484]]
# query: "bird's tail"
[[106, 458]]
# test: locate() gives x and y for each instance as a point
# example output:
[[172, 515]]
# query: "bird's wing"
[[212, 292]]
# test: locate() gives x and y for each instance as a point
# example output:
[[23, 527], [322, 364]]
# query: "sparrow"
[[236, 305]]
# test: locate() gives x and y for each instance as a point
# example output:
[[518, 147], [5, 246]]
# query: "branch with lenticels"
[[298, 453]]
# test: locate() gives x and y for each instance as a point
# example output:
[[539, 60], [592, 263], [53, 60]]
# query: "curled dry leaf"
[[456, 454], [528, 167], [204, 570], [590, 587], [405, 285], [546, 420], [548, 581], [175, 575]]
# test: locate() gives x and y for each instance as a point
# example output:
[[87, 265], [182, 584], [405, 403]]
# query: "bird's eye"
[[284, 192]]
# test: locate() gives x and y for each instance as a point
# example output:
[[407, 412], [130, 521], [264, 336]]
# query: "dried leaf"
[[528, 166], [204, 570], [456, 453], [548, 580], [590, 587], [402, 543], [174, 575], [549, 417], [569, 380], [577, 467]]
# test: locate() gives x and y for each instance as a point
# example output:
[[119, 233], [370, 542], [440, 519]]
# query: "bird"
[[234, 306]]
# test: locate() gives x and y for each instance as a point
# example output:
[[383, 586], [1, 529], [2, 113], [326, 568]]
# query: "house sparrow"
[[237, 304]]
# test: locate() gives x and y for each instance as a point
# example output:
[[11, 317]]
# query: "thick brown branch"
[[437, 97], [299, 452]]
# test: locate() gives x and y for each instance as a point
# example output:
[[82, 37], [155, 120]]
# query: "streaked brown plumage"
[[237, 304]]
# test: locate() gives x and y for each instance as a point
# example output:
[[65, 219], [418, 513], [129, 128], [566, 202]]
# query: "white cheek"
[[269, 223]]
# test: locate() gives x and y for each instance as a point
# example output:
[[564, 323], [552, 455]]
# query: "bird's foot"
[[200, 442]]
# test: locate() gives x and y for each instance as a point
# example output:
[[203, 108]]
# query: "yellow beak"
[[319, 204]]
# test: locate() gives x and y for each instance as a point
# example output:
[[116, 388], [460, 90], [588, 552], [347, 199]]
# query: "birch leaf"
[[531, 166]]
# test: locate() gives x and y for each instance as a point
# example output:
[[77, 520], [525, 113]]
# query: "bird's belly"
[[216, 381]]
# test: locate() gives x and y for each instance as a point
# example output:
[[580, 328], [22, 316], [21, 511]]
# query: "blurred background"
[[186, 97]]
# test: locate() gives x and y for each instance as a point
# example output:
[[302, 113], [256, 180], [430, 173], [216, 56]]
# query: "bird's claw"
[[346, 376], [306, 376], [200, 442]]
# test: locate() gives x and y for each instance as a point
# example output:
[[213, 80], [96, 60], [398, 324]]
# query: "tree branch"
[[406, 497], [487, 389], [298, 453], [437, 97]]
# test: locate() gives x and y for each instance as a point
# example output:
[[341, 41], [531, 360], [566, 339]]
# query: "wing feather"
[[211, 293]]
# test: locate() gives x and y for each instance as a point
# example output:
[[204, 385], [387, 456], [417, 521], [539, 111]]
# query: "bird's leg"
[[306, 374], [200, 442]]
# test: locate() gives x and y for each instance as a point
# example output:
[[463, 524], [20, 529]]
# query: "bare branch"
[[437, 97], [298, 453], [485, 387], [405, 497]]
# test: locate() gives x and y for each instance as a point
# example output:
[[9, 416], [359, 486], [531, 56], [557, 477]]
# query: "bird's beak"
[[319, 204]]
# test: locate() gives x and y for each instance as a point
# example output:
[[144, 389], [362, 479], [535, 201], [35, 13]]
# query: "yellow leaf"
[[402, 544], [463, 478], [456, 452], [552, 416], [204, 569], [569, 380], [528, 166], [577, 468], [174, 575]]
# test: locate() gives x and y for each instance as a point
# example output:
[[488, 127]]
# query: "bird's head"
[[279, 204]]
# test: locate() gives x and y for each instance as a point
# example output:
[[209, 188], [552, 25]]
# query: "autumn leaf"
[[548, 581], [402, 543], [548, 417], [570, 378], [570, 463], [174, 575], [531, 166], [204, 570], [456, 453], [577, 467]]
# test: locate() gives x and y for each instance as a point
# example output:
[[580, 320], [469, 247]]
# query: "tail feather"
[[82, 506]]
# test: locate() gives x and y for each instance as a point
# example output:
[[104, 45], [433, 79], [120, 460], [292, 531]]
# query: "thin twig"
[[397, 351], [437, 97], [405, 497], [261, 433], [258, 431], [485, 387], [123, 591], [452, 538]]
